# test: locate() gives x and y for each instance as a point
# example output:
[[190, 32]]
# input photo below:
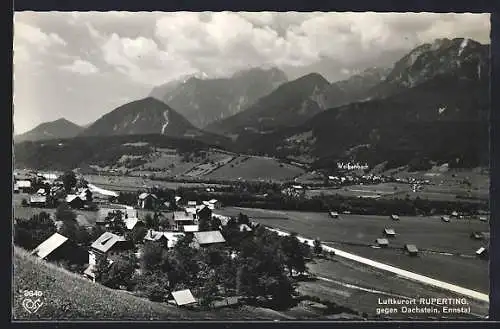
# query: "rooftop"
[[183, 297], [48, 246], [106, 241]]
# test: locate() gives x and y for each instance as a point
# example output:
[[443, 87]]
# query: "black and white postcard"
[[250, 166]]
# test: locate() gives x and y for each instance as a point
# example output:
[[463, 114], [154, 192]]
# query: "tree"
[[293, 253], [116, 222], [243, 219], [69, 180], [154, 257], [151, 222], [118, 273], [29, 233], [138, 233], [64, 213], [154, 284], [88, 196], [203, 224], [96, 232], [75, 233], [318, 249], [24, 202]]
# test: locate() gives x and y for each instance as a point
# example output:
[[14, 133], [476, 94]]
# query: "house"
[[24, 186], [206, 238], [454, 214], [191, 228], [38, 201], [147, 201], [49, 176], [191, 211], [334, 214], [183, 297], [382, 242], [107, 245], [168, 239], [245, 228], [105, 212], [49, 246], [192, 204], [394, 217], [204, 213], [181, 218], [41, 191], [58, 247], [89, 272], [131, 223], [477, 235], [74, 201], [216, 204], [223, 219], [482, 253], [209, 205], [483, 218], [389, 232], [445, 218], [411, 249]]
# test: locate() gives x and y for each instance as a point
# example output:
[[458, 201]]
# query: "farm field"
[[399, 190], [349, 283], [356, 234], [127, 183], [255, 168]]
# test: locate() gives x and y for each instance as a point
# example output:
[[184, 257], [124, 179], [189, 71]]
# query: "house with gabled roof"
[[389, 232], [24, 186], [482, 253], [108, 244], [58, 247], [181, 218], [74, 201], [147, 201], [203, 212], [216, 204], [183, 297], [206, 238], [167, 239], [382, 242], [39, 201], [190, 228]]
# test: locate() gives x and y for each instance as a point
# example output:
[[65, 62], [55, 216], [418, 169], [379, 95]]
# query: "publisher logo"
[[32, 301]]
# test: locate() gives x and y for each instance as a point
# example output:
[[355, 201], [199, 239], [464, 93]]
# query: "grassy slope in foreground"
[[69, 296]]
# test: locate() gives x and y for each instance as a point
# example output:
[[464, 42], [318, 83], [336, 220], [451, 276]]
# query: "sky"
[[81, 65]]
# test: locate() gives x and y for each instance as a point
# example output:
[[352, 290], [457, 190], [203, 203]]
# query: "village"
[[131, 236], [160, 245]]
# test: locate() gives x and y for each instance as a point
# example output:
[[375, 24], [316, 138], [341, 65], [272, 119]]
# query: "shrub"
[[24, 202]]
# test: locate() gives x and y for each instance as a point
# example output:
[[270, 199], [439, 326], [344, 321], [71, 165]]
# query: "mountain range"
[[290, 104], [423, 107], [203, 101], [60, 128], [426, 111]]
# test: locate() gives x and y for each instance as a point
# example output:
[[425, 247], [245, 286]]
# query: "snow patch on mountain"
[[136, 118], [462, 46], [164, 126]]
